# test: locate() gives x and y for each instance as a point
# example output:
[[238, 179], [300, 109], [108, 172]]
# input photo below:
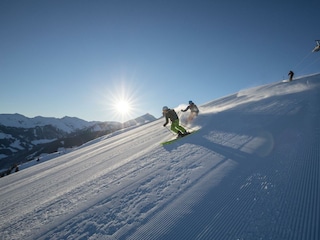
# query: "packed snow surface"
[[252, 171]]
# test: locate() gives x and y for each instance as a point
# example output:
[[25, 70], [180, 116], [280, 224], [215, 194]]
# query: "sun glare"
[[123, 107], [122, 100]]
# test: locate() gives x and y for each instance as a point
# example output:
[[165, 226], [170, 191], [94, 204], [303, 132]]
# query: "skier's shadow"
[[228, 152]]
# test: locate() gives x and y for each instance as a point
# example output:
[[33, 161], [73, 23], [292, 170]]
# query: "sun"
[[122, 101], [123, 107]]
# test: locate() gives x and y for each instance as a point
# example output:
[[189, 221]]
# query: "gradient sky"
[[78, 58]]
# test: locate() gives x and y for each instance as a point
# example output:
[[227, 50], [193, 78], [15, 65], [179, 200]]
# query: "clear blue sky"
[[77, 58]]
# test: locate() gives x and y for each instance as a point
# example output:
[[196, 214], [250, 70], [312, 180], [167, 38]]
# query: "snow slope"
[[251, 172]]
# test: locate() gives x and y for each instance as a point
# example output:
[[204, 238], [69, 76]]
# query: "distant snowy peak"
[[66, 124], [140, 120]]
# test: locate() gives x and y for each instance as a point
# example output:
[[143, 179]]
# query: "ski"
[[178, 138]]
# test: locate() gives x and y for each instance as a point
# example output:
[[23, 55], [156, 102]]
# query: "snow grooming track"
[[252, 172], [69, 186], [277, 197]]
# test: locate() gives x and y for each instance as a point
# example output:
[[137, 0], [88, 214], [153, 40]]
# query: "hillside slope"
[[251, 172], [23, 138]]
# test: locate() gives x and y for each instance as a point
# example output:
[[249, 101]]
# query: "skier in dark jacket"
[[194, 111], [290, 74], [172, 115]]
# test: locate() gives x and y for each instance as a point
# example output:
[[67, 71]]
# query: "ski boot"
[[180, 134]]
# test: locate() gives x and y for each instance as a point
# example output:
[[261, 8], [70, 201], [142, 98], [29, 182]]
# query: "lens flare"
[[122, 100], [123, 107]]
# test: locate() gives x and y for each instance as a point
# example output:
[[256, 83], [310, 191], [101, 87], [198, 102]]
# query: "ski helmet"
[[190, 102], [165, 108]]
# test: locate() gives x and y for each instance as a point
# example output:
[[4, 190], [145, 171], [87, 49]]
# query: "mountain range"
[[23, 138]]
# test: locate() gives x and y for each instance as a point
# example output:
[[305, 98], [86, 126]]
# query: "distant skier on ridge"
[[290, 74], [175, 127], [194, 111]]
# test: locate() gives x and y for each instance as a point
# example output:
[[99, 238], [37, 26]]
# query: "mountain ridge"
[[23, 138]]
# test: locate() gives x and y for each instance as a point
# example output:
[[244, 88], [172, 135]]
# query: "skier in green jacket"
[[172, 115]]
